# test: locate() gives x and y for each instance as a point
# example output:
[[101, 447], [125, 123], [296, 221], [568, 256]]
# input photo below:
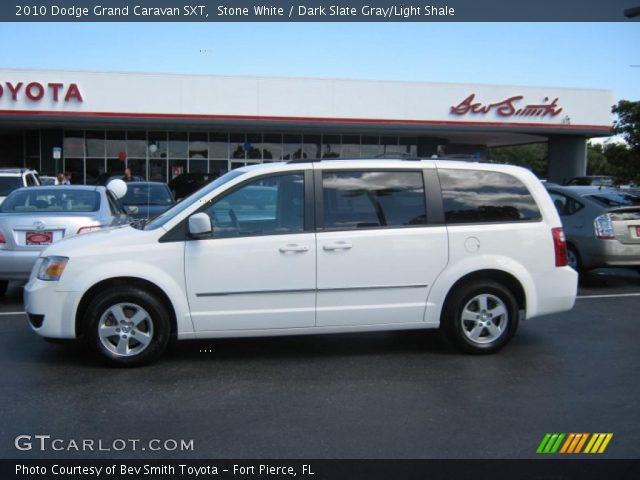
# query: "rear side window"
[[357, 199], [51, 200], [476, 196], [565, 205]]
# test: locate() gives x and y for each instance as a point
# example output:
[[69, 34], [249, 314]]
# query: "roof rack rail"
[[384, 156]]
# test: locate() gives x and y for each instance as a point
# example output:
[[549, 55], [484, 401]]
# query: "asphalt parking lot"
[[379, 395]]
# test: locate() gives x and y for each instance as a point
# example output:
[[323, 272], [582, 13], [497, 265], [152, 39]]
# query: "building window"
[[350, 146], [291, 147], [272, 147], [73, 144], [330, 146], [219, 146], [95, 143]]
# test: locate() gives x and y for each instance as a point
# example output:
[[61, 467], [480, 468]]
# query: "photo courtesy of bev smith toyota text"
[[324, 240]]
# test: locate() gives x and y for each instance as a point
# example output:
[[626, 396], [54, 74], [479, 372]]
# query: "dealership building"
[[161, 125]]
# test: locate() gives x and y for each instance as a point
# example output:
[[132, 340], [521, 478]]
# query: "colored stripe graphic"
[[598, 443], [573, 443], [550, 443], [581, 443]]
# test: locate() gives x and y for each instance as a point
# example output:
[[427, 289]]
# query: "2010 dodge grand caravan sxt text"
[[315, 247]]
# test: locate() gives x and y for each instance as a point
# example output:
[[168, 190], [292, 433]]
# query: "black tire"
[[4, 285], [576, 264], [129, 303], [477, 322]]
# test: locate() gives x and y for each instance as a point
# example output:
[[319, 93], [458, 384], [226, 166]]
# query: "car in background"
[[33, 218], [13, 178], [186, 183], [602, 226], [146, 200], [593, 180], [46, 180], [105, 178]]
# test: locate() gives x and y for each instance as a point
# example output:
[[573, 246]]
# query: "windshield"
[[9, 184], [56, 199], [160, 220], [147, 195], [616, 199]]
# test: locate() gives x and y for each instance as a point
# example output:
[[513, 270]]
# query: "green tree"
[[532, 156], [597, 163], [628, 123]]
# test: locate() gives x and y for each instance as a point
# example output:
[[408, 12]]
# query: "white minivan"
[[315, 247]]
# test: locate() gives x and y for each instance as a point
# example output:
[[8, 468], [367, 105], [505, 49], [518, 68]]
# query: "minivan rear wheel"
[[480, 317], [127, 326]]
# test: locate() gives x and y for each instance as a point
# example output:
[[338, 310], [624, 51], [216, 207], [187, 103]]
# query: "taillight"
[[91, 228], [2, 239], [604, 227], [560, 247]]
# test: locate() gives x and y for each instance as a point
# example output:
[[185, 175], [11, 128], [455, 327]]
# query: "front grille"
[[35, 320]]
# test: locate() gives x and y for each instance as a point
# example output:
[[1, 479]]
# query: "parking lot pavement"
[[379, 395]]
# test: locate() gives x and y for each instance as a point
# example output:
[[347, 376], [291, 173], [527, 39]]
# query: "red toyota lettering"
[[34, 86], [73, 92], [14, 89], [55, 88]]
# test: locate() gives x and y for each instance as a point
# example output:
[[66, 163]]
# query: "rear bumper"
[[17, 264], [51, 313], [556, 292], [611, 253]]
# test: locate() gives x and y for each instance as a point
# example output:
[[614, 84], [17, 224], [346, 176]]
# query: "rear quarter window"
[[477, 196]]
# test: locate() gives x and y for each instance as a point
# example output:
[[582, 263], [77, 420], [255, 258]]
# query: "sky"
[[589, 55]]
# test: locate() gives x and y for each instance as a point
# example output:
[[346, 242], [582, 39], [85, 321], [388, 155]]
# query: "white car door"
[[258, 269], [377, 253]]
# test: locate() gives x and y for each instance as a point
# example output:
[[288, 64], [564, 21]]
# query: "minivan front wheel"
[[127, 326], [480, 317]]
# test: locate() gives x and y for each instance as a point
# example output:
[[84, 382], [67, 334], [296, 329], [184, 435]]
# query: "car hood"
[[110, 240]]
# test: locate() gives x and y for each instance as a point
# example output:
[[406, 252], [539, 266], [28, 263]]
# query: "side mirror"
[[117, 187], [131, 209], [200, 225]]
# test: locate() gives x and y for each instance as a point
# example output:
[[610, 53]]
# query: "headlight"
[[52, 268]]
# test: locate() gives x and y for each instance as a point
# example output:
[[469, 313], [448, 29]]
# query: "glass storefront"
[[162, 155]]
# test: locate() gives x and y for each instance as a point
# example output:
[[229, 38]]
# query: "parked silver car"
[[602, 226], [32, 218]]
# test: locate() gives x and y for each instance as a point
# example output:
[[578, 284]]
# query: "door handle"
[[330, 247], [293, 248]]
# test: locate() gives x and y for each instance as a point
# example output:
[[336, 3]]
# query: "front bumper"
[[17, 264], [53, 310]]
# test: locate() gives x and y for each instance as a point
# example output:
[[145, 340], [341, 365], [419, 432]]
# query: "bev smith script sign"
[[509, 107]]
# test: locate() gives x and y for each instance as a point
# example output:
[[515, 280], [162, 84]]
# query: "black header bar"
[[269, 469], [319, 11]]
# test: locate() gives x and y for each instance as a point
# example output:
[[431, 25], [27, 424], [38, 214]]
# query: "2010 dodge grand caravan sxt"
[[315, 247]]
